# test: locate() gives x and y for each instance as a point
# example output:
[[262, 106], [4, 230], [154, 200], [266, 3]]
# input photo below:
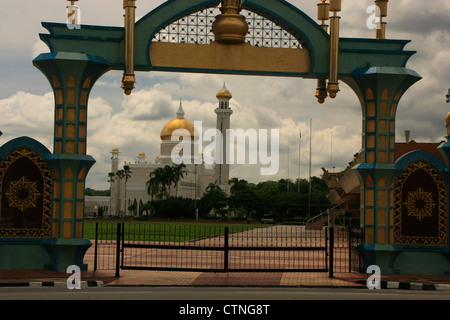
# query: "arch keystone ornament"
[[230, 26]]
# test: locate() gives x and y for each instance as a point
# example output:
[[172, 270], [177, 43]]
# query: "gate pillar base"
[[67, 252], [404, 261], [23, 254]]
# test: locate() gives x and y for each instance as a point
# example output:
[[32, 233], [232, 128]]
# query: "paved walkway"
[[181, 278]]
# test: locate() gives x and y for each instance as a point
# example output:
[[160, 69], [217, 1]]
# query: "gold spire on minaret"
[[230, 26]]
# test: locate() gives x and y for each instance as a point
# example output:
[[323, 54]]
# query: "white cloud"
[[38, 48], [26, 114]]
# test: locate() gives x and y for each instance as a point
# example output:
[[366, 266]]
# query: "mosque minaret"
[[223, 111]]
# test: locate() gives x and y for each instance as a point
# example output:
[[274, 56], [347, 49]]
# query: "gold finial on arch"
[[230, 26], [383, 6]]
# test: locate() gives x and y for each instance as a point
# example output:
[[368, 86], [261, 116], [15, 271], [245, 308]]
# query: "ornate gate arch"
[[374, 68]]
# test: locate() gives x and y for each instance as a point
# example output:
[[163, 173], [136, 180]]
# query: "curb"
[[84, 284], [411, 285]]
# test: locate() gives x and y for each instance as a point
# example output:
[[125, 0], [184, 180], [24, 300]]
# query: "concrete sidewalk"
[[9, 278]]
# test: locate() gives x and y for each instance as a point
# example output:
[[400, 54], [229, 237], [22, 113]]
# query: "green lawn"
[[163, 231]]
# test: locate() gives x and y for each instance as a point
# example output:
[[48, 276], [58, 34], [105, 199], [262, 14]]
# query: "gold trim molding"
[[225, 57]]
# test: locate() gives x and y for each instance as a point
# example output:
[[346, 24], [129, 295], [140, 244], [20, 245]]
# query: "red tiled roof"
[[402, 148]]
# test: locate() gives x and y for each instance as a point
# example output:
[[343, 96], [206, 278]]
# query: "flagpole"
[[299, 158], [331, 151], [309, 198], [288, 170]]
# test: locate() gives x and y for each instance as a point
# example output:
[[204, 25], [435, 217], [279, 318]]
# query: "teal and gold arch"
[[242, 37], [109, 42]]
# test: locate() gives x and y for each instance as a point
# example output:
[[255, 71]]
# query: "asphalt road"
[[216, 293]]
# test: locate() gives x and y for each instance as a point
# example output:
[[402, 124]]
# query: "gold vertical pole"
[[129, 80], [333, 84], [383, 5], [323, 14]]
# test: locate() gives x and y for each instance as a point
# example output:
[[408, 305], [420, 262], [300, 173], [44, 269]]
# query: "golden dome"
[[178, 123], [224, 93], [142, 154], [115, 150]]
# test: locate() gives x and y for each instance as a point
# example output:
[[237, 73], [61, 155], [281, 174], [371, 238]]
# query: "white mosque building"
[[133, 191]]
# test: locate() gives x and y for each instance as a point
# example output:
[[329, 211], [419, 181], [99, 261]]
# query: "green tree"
[[156, 185], [213, 198], [168, 177], [147, 207], [242, 195], [111, 178], [163, 178]]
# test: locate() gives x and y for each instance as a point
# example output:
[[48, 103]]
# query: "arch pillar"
[[379, 90], [71, 76]]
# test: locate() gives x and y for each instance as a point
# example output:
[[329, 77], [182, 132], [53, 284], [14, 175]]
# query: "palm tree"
[[162, 179], [168, 177], [124, 174], [111, 176], [152, 186], [157, 184], [179, 172]]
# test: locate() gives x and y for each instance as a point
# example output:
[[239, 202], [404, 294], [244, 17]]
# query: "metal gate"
[[148, 246]]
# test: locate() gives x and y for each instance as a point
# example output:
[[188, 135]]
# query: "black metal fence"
[[147, 246]]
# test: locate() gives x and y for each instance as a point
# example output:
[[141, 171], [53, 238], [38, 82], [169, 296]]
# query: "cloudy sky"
[[133, 123]]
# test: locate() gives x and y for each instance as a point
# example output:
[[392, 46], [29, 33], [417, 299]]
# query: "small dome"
[[115, 150], [141, 154], [224, 93]]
